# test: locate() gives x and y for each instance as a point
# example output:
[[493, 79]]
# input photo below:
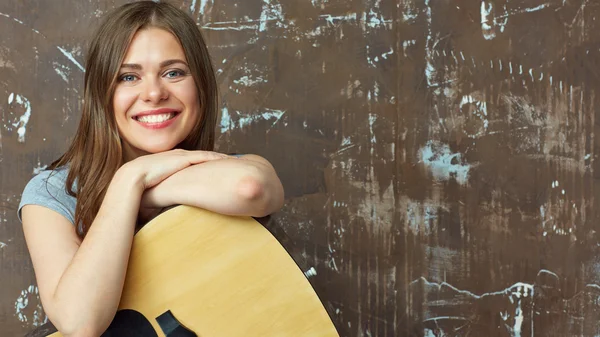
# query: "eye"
[[127, 78], [174, 73]]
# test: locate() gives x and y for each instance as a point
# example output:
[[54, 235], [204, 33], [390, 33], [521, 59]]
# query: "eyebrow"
[[161, 65]]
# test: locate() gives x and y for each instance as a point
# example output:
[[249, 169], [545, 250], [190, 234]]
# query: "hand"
[[154, 168]]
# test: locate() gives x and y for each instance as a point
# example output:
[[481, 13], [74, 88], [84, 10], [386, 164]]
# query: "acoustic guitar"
[[197, 273]]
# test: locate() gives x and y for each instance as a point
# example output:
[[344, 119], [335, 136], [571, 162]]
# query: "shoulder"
[[48, 189], [48, 179]]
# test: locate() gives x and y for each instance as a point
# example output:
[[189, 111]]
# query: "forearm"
[[226, 186], [88, 293]]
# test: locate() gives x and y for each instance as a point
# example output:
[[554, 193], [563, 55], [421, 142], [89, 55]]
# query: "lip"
[[160, 125], [155, 112]]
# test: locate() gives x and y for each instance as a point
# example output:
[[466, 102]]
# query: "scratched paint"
[[438, 157]]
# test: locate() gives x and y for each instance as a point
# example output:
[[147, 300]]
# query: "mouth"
[[156, 116]]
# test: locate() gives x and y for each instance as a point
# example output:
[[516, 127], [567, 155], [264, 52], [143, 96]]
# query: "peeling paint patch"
[[444, 164], [270, 12], [267, 115], [248, 81], [421, 216], [226, 124], [486, 27], [479, 111], [28, 307], [490, 23]]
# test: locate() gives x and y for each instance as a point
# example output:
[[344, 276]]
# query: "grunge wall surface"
[[439, 156]]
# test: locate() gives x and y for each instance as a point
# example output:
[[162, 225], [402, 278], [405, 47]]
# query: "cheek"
[[122, 100], [188, 95]]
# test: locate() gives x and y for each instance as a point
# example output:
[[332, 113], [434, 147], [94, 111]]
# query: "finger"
[[197, 157]]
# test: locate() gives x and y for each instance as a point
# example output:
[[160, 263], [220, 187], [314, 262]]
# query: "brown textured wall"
[[438, 156]]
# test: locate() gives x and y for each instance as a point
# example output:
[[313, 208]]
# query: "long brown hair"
[[96, 152]]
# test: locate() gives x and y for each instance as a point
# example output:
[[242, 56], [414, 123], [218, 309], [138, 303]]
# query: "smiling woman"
[[144, 142], [155, 72]]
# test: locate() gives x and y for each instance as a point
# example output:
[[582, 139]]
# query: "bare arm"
[[245, 186], [81, 282]]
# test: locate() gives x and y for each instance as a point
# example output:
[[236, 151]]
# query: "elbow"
[[73, 325], [83, 332], [261, 198]]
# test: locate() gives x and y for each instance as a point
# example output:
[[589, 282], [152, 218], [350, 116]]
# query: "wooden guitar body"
[[212, 275]]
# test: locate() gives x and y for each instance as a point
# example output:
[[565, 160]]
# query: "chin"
[[157, 148]]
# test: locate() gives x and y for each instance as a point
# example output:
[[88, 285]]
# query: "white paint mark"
[[332, 265], [311, 272], [270, 12], [515, 294], [444, 164], [480, 111], [318, 3], [98, 13], [429, 68], [407, 43], [2, 244], [62, 71], [203, 6], [37, 170], [19, 22], [24, 119], [332, 19], [30, 296], [247, 81], [488, 33], [385, 55], [421, 216], [531, 74], [193, 6], [71, 58], [409, 14], [534, 9], [226, 123], [489, 25], [4, 61], [237, 26]]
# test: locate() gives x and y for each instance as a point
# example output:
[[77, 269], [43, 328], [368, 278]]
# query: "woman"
[[144, 143]]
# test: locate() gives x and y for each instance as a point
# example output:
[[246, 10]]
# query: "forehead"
[[153, 45]]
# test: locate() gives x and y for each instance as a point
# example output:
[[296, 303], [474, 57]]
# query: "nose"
[[153, 91]]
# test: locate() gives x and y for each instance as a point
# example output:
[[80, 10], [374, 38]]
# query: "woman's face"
[[156, 103]]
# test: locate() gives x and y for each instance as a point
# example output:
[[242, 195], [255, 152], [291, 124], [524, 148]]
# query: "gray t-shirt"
[[48, 189]]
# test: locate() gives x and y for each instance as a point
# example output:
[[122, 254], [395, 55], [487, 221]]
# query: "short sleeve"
[[47, 189], [235, 154]]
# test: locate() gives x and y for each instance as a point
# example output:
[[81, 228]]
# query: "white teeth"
[[156, 118]]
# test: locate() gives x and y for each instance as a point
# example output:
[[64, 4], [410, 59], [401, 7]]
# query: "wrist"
[[130, 177]]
